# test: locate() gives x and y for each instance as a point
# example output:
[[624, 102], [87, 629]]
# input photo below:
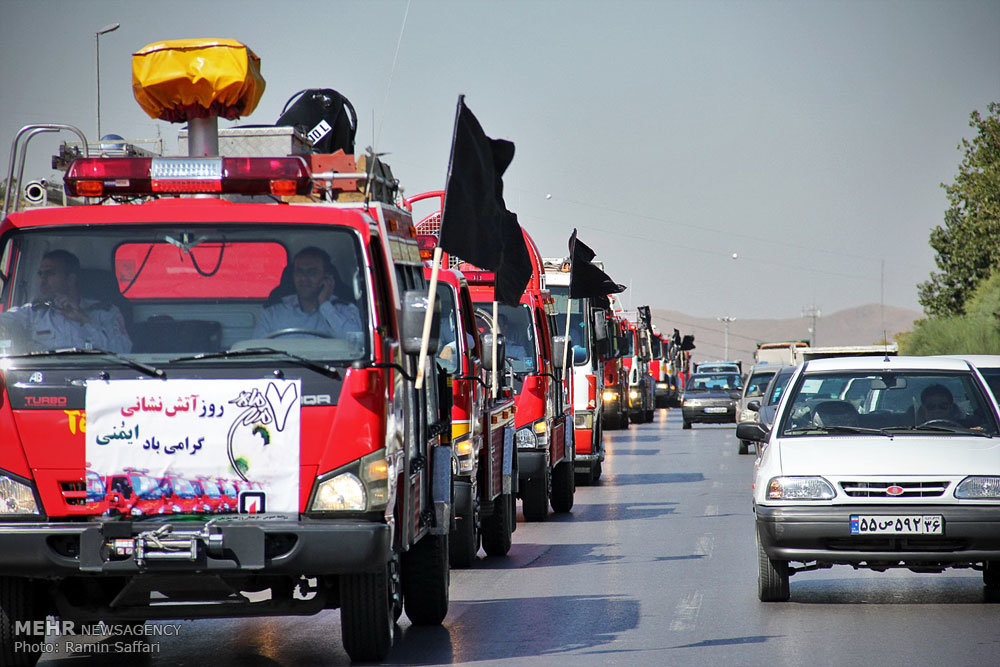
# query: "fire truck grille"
[[74, 493]]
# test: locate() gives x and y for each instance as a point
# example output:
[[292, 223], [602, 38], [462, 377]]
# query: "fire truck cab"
[[253, 319]]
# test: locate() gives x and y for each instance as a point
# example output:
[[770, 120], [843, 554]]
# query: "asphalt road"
[[655, 565]]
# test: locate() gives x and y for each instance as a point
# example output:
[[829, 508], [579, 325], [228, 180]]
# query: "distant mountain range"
[[855, 326]]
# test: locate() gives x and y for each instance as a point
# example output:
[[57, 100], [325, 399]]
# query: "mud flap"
[[509, 481], [441, 469]]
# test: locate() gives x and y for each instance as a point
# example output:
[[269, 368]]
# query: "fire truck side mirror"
[[414, 311], [560, 349], [488, 343], [600, 326]]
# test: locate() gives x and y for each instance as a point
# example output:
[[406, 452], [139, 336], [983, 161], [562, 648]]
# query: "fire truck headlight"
[[609, 395], [345, 492], [463, 450], [16, 497], [525, 438], [135, 511]]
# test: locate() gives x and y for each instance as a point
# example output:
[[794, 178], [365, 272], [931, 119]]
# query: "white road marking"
[[712, 510], [705, 546], [686, 614]]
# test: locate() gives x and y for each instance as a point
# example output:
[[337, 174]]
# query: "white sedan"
[[905, 473]]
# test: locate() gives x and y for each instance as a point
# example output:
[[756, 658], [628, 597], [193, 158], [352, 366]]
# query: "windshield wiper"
[[838, 429], [943, 428], [328, 371], [72, 351]]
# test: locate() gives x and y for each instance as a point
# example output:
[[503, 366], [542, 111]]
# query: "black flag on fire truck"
[[585, 279], [475, 223]]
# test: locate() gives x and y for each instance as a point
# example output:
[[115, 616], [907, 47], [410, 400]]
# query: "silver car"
[[757, 381]]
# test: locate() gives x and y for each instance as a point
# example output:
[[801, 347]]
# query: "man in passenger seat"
[[314, 306], [60, 318]]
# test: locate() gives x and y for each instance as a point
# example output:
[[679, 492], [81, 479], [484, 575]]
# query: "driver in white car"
[[315, 305]]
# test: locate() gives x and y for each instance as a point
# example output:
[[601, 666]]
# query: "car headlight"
[[16, 497], [691, 403], [800, 488], [979, 487], [357, 487], [748, 416], [525, 438]]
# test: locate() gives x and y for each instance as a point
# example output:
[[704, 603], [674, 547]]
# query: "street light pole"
[[726, 320], [97, 39]]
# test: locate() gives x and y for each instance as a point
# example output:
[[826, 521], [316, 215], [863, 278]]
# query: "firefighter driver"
[[60, 318], [315, 306]]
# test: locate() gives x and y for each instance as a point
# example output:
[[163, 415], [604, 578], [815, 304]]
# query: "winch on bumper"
[[278, 546]]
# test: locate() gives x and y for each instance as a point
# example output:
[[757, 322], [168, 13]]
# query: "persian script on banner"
[[181, 438]]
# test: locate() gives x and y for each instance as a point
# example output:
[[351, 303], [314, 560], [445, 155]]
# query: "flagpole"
[[428, 317], [494, 351]]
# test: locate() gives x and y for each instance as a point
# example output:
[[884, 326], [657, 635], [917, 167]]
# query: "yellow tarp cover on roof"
[[180, 79]]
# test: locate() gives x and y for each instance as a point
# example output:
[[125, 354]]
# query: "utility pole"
[[726, 320], [813, 312]]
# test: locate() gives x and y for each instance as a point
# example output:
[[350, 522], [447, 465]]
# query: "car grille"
[[881, 489]]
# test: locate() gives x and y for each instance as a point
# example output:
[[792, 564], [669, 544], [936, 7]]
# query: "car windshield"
[[714, 382], [892, 402], [992, 377], [718, 368], [210, 488], [145, 487], [777, 386], [153, 293], [757, 384]]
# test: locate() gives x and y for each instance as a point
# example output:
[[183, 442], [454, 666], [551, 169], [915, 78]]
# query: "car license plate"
[[714, 411], [897, 524]]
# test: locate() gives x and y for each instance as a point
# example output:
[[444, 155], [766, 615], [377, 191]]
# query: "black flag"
[[475, 223], [585, 279], [644, 317]]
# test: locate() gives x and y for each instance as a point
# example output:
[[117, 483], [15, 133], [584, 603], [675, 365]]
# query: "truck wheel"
[[687, 424], [772, 577], [496, 528], [367, 618], [563, 487], [463, 543], [535, 498], [18, 604], [991, 575], [595, 472], [426, 577], [649, 415], [743, 447], [612, 422]]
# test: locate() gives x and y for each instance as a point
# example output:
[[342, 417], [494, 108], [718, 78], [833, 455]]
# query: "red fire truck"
[[482, 425], [614, 397], [201, 254], [637, 355]]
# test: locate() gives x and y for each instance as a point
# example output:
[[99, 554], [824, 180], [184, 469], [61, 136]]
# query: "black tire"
[[496, 527], [649, 415], [18, 603], [367, 618], [772, 577], [563, 487], [744, 447], [612, 422], [991, 575], [426, 577], [686, 425], [535, 498], [463, 543], [595, 472]]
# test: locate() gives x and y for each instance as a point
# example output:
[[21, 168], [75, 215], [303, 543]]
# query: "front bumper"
[[282, 546], [531, 464], [698, 414], [823, 534]]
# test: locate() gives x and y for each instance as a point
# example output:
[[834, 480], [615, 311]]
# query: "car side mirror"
[[752, 431], [753, 405], [415, 304], [600, 326]]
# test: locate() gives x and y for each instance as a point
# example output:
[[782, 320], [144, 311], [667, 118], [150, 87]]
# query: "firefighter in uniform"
[[60, 318], [313, 306]]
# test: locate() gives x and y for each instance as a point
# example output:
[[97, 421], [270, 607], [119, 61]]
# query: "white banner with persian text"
[[238, 439]]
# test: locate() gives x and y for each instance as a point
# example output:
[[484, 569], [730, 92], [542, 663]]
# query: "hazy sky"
[[808, 137]]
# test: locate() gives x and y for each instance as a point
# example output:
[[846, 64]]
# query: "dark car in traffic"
[[711, 398]]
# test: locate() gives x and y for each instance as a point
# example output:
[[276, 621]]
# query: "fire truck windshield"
[[516, 327], [577, 322], [157, 292], [145, 487]]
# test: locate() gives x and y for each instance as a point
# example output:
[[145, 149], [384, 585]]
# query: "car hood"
[[900, 455], [703, 395]]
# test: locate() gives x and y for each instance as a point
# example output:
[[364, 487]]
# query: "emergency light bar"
[[98, 177]]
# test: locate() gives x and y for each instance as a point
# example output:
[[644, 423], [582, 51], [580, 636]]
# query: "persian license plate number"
[[715, 411], [897, 524]]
